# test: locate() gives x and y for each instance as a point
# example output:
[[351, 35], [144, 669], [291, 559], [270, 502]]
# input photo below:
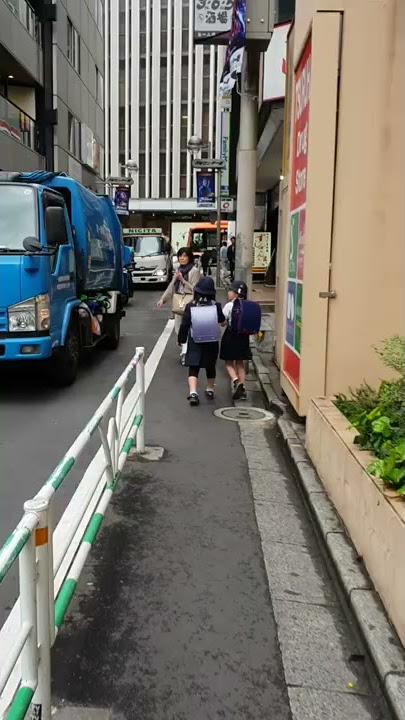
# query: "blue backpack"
[[204, 323], [246, 317]]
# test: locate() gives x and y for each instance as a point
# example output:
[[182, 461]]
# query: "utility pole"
[[247, 166]]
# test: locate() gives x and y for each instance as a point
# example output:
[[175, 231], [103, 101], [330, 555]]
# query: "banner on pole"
[[225, 146], [121, 200], [235, 49], [206, 189]]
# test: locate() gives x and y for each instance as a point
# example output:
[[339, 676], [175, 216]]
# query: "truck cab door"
[[62, 262]]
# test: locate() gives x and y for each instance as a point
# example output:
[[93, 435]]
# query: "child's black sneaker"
[[210, 394], [239, 391], [234, 385], [243, 395], [193, 399]]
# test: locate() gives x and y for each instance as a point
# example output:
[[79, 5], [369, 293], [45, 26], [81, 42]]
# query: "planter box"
[[374, 517]]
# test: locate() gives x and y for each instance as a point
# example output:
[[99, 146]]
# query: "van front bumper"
[[26, 348], [143, 279]]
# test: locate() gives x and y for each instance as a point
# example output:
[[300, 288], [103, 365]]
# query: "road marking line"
[[92, 484]]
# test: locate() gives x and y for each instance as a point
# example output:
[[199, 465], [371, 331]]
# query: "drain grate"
[[237, 414]]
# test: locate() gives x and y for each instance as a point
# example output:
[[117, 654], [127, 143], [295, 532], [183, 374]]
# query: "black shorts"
[[210, 371]]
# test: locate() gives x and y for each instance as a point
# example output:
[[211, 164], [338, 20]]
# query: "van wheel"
[[65, 362], [112, 328]]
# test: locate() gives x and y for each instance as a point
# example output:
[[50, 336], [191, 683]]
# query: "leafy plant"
[[378, 434], [392, 353], [363, 399], [379, 417], [391, 469]]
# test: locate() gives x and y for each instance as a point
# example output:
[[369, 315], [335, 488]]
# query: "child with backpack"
[[200, 330], [243, 319]]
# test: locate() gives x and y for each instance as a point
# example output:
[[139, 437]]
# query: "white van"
[[152, 256]]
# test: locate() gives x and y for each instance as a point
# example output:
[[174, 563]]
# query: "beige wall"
[[365, 185]]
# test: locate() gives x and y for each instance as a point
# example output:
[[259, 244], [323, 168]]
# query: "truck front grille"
[[3, 320]]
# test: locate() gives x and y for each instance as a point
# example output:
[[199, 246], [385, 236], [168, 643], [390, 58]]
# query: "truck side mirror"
[[55, 226], [31, 245]]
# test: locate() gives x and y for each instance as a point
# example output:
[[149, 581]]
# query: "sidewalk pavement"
[[207, 595]]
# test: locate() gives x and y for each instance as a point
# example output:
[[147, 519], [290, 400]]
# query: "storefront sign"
[[261, 252], [206, 190], [292, 348], [121, 200], [275, 64], [212, 18], [142, 231], [225, 145]]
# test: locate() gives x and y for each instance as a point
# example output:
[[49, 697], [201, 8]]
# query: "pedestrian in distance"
[[200, 329], [231, 256], [206, 262], [223, 255], [235, 345], [182, 284]]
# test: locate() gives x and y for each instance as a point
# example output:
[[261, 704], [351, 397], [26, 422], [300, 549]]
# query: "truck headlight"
[[30, 315], [160, 273]]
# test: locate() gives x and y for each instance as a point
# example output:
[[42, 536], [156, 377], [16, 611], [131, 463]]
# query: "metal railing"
[[41, 577], [27, 17], [16, 123]]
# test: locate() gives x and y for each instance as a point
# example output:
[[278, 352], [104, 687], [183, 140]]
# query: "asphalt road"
[[38, 422]]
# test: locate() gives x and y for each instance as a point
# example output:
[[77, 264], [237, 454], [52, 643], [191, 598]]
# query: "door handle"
[[330, 294]]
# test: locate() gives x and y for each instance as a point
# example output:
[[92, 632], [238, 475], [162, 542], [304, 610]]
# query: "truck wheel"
[[112, 326], [65, 362]]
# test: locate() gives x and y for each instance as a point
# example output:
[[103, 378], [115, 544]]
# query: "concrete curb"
[[378, 635]]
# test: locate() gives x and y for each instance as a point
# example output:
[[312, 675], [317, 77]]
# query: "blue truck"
[[62, 283]]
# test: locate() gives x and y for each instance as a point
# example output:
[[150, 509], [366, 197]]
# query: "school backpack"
[[204, 323], [246, 317]]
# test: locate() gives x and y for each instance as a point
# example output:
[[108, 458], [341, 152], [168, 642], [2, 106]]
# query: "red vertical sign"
[[292, 347]]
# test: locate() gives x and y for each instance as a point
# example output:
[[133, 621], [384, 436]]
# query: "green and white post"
[[41, 703], [140, 371]]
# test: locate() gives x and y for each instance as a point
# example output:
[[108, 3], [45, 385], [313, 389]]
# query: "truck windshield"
[[18, 217], [146, 245]]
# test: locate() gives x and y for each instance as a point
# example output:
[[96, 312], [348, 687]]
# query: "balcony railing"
[[17, 124], [26, 15]]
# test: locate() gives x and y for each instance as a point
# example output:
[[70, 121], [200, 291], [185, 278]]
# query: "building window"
[[74, 131], [99, 16], [99, 88], [73, 46]]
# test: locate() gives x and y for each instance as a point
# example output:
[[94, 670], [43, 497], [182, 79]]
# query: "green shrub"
[[379, 417]]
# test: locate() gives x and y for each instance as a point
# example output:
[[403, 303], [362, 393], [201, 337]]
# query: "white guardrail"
[[47, 585]]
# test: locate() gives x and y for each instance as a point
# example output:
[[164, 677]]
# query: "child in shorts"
[[200, 355]]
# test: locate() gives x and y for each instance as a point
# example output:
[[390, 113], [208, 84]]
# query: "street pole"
[[247, 167], [218, 273]]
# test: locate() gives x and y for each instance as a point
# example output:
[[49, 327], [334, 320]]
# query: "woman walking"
[[201, 332], [183, 283]]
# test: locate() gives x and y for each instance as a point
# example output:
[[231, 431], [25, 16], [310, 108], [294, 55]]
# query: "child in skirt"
[[200, 355], [235, 347]]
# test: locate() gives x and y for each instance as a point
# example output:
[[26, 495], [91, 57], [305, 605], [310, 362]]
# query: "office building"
[[161, 89], [52, 87]]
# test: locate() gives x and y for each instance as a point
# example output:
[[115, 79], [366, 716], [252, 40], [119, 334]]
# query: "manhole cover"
[[237, 414]]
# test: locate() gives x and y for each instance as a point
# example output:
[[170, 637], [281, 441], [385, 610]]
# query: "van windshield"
[[18, 216], [146, 245]]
